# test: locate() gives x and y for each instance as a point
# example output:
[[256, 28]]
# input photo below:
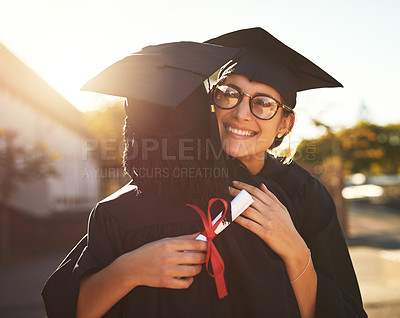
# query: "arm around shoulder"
[[338, 293], [100, 291], [90, 255]]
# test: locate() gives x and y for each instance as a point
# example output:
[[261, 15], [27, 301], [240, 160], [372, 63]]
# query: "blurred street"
[[374, 243]]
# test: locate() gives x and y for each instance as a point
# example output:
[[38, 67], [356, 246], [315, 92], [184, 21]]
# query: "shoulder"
[[120, 199], [113, 209], [132, 210], [307, 194], [292, 178]]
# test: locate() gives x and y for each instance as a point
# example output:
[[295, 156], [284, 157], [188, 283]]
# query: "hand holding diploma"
[[241, 202], [238, 205]]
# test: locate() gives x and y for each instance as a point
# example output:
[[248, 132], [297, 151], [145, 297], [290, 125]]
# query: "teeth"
[[240, 132]]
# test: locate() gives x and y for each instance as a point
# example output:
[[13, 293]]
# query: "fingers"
[[253, 214], [174, 282], [254, 191], [174, 251], [182, 271], [187, 237], [271, 195], [187, 258], [250, 225], [159, 263], [178, 283], [263, 194], [257, 204], [184, 243], [179, 274]]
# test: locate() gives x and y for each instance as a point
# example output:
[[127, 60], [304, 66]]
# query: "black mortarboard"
[[165, 90], [267, 60], [164, 84]]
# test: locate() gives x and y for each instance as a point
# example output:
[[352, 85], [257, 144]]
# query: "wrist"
[[124, 271], [297, 260]]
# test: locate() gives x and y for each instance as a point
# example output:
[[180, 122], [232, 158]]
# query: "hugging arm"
[[338, 293], [98, 273]]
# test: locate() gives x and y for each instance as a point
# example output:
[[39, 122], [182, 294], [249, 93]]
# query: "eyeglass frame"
[[285, 107]]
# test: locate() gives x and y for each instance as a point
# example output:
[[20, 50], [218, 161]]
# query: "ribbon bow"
[[217, 263]]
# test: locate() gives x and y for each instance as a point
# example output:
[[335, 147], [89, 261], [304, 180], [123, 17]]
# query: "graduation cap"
[[267, 60], [164, 84]]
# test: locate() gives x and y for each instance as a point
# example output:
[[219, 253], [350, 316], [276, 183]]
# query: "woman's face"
[[243, 135]]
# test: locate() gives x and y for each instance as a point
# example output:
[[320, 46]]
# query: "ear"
[[285, 125]]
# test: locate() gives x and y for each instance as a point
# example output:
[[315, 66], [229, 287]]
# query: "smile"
[[240, 132]]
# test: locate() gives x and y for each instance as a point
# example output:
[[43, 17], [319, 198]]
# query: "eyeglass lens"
[[261, 106]]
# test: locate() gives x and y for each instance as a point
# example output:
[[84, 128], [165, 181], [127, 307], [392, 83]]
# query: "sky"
[[67, 42]]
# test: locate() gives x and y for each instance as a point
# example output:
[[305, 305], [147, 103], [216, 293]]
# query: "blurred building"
[[30, 107], [50, 212]]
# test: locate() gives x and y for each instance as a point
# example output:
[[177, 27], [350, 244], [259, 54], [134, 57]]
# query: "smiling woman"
[[255, 97], [243, 135]]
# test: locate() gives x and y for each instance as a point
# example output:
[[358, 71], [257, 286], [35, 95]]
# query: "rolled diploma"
[[240, 203]]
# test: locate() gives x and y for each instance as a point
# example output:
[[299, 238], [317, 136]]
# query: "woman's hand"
[[161, 263], [269, 219], [165, 263]]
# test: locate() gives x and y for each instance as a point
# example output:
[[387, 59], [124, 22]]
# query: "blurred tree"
[[22, 162], [323, 159], [366, 148], [19, 163], [106, 125]]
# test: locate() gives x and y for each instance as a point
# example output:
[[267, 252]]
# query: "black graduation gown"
[[256, 279]]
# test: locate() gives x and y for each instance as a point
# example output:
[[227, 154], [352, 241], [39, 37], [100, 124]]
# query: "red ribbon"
[[217, 263]]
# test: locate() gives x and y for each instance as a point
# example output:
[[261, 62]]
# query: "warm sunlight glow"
[[86, 101], [68, 42]]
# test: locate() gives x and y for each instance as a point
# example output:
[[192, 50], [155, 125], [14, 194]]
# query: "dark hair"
[[277, 141], [162, 172]]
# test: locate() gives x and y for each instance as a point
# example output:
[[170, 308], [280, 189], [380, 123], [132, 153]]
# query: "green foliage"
[[21, 163], [106, 126], [364, 148]]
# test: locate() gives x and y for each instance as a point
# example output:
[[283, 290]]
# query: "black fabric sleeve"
[[338, 294], [94, 252], [60, 292]]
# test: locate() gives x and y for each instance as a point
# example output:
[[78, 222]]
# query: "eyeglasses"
[[262, 106]]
